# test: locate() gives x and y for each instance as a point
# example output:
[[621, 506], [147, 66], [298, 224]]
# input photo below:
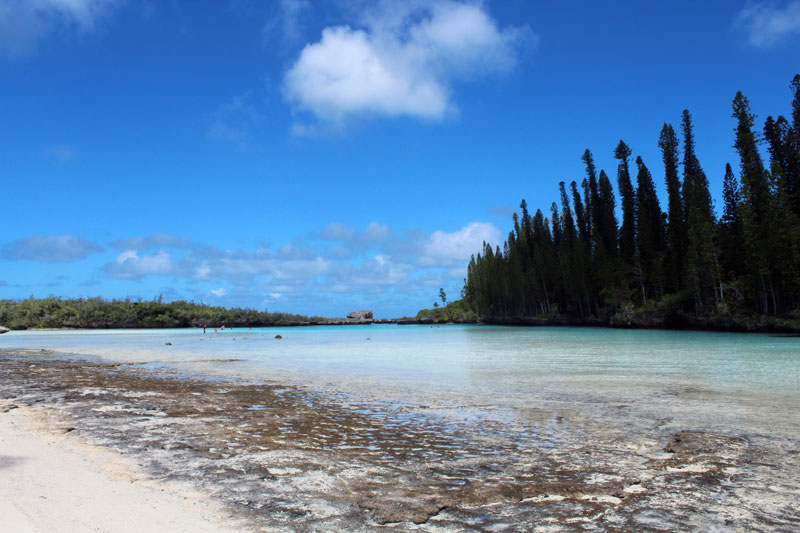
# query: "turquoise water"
[[747, 382]]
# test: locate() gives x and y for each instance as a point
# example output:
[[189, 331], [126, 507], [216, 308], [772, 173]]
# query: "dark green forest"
[[99, 313], [675, 266]]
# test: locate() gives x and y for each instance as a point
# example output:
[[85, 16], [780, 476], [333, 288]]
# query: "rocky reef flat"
[[281, 457]]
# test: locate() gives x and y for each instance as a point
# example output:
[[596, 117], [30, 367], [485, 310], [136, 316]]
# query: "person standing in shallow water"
[[204, 329]]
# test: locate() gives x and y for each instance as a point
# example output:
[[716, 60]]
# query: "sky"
[[323, 156]]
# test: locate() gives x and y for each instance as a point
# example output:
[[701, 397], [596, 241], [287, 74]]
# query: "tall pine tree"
[[627, 232], [676, 223], [701, 257], [756, 207]]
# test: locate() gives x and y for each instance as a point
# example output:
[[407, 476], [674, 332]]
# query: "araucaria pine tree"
[[671, 268]]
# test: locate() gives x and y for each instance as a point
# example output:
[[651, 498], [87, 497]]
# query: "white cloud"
[[294, 269], [24, 22], [376, 263], [202, 271], [129, 265], [352, 241], [767, 25], [376, 232], [402, 62], [50, 249], [449, 248]]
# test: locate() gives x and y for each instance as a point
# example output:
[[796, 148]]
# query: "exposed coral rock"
[[360, 315]]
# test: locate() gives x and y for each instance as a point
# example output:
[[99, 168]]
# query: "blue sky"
[[324, 156]]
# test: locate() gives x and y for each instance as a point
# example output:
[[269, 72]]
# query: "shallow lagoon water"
[[724, 381], [360, 428]]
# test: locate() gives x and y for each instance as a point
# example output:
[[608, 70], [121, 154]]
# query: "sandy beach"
[[105, 446], [54, 480]]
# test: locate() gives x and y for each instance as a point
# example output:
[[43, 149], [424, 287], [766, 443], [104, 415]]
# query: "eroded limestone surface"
[[293, 458]]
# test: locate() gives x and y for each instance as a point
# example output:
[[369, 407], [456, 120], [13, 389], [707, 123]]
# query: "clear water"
[[745, 383]]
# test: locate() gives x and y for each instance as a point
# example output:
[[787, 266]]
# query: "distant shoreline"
[[98, 314], [768, 325]]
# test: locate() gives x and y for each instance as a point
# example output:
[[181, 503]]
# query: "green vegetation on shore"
[[457, 312], [682, 268], [95, 313]]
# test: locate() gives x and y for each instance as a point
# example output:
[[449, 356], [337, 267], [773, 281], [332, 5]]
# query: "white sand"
[[53, 481]]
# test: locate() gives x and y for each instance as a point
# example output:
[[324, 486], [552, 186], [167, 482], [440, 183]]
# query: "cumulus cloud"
[[376, 232], [767, 25], [24, 22], [50, 249], [130, 265], [403, 60], [448, 248]]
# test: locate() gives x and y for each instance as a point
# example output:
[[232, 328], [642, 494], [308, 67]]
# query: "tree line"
[[90, 313], [668, 267]]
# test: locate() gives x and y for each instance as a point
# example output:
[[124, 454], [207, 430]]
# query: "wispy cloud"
[[233, 120], [60, 153], [502, 210], [287, 17], [159, 240], [767, 25], [50, 249], [403, 59], [24, 22]]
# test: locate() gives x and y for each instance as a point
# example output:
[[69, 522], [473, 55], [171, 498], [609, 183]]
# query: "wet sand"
[[279, 457]]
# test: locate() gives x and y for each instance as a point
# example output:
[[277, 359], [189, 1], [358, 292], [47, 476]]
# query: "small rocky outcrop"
[[4, 330], [360, 315]]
